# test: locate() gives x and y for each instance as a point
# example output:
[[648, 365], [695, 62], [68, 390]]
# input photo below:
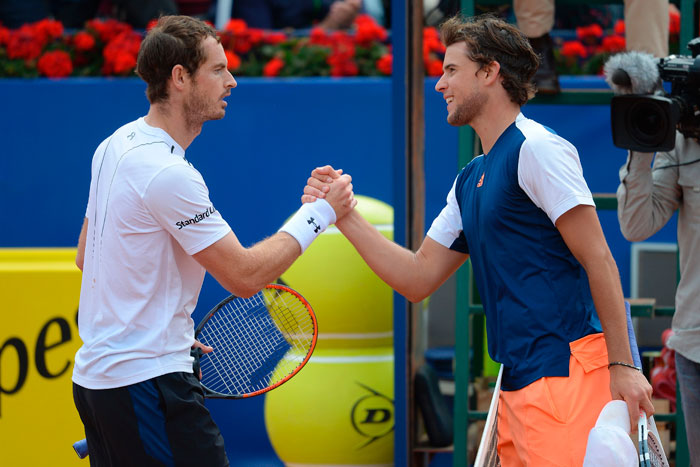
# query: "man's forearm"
[[644, 202], [604, 281], [394, 264]]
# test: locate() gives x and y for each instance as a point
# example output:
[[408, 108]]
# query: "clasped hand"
[[333, 186]]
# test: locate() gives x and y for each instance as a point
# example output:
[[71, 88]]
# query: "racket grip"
[[81, 448], [196, 353]]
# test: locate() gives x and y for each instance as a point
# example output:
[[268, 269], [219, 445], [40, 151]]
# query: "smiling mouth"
[[449, 100]]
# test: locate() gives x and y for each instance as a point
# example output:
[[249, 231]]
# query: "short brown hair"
[[174, 40], [489, 39]]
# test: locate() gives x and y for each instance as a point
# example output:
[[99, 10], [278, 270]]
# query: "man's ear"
[[179, 76], [491, 71]]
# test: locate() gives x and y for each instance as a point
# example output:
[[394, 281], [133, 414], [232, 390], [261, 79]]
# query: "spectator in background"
[[646, 30], [297, 14]]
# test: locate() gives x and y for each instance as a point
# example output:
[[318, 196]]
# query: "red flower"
[[573, 49], [274, 37], [431, 32], [24, 44], [255, 36], [343, 47], [242, 45], [431, 40], [384, 64], [619, 27], [342, 56], [84, 41], [592, 31], [434, 67], [367, 30], [344, 68], [4, 36], [123, 63], [108, 29], [674, 22], [234, 61], [273, 67], [241, 39], [613, 44], [120, 53], [55, 64], [236, 26], [318, 36], [433, 45], [341, 37], [48, 29]]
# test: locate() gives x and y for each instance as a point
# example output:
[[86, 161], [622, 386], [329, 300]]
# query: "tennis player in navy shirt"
[[523, 213]]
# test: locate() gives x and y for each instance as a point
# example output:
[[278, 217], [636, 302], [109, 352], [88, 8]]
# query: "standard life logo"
[[197, 218]]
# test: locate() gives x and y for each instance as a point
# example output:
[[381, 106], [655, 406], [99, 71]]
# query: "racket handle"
[[81, 448], [196, 353]]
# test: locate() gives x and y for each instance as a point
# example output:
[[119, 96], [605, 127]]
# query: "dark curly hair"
[[489, 39], [174, 40]]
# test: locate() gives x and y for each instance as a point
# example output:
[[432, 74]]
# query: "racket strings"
[[292, 318], [237, 343], [656, 459], [257, 342], [650, 449], [234, 336]]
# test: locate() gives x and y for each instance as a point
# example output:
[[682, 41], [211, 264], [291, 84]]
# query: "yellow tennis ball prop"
[[338, 410], [352, 304]]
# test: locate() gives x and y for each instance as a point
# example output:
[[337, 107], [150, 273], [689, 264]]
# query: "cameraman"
[[647, 197]]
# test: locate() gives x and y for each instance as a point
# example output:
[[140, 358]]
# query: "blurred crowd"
[[266, 14], [263, 14]]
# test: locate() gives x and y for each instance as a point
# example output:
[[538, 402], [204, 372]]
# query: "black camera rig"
[[647, 122]]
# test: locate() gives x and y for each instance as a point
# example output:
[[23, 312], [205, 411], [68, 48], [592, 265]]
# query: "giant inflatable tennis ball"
[[338, 410], [353, 306]]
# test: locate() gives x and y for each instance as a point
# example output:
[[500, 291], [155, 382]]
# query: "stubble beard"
[[197, 110], [467, 110]]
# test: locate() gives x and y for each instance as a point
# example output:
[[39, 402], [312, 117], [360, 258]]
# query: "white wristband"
[[309, 221]]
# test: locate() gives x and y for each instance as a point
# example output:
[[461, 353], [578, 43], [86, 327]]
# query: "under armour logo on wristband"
[[316, 226]]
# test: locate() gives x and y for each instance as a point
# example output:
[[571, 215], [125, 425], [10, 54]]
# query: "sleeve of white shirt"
[[550, 172], [178, 199], [447, 226]]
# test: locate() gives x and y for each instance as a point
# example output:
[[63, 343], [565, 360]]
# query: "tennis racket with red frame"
[[259, 343]]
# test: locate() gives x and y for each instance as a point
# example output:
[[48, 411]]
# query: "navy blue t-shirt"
[[535, 293]]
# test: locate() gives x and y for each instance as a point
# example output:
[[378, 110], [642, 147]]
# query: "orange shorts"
[[547, 422]]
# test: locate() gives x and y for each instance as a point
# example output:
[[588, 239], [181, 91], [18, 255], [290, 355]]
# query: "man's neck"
[[173, 123], [493, 123]]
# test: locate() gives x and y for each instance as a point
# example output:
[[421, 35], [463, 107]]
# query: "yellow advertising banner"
[[39, 295]]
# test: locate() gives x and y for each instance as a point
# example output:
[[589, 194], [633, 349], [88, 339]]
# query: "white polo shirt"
[[148, 212]]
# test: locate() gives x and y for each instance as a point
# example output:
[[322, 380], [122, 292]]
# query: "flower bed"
[[106, 47], [109, 48], [587, 54]]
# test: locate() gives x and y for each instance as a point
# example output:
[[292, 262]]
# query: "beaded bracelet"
[[624, 364]]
